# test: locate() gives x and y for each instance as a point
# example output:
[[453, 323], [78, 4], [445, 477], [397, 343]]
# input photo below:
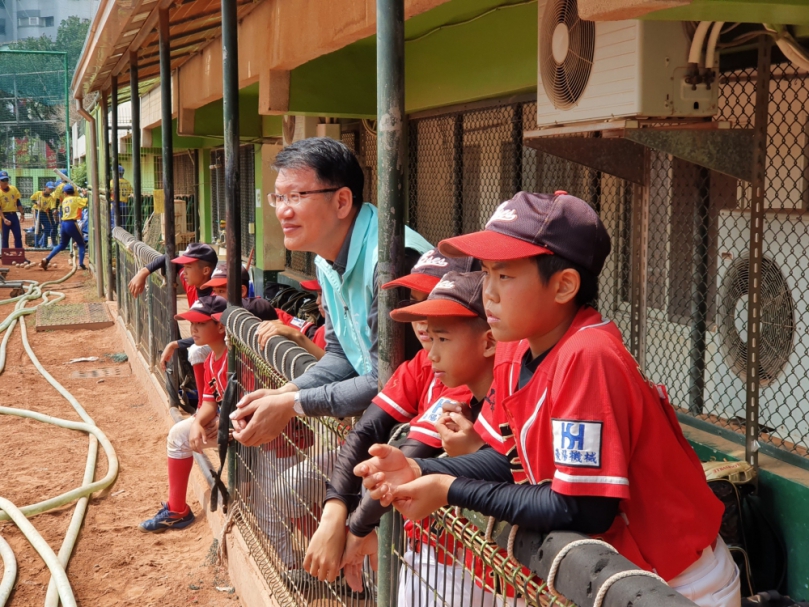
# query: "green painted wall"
[[204, 206], [786, 505], [476, 54], [209, 121], [795, 12], [180, 142]]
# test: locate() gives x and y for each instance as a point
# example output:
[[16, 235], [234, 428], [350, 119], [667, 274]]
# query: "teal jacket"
[[348, 298]]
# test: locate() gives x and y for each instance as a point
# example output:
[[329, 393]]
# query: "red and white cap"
[[311, 285], [456, 294], [538, 224], [429, 269], [207, 307]]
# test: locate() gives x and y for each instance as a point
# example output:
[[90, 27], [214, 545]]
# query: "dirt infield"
[[113, 563]]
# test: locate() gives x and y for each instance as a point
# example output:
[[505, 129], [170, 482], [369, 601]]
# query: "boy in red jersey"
[[199, 431], [592, 445]]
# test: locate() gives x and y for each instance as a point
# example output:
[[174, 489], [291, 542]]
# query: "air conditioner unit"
[[590, 71], [784, 345]]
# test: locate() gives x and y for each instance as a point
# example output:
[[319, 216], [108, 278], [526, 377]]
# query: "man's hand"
[[138, 282], [458, 435], [357, 548], [201, 437], [326, 546], [265, 417], [6, 221], [241, 423], [271, 328], [387, 469], [420, 498], [168, 352]]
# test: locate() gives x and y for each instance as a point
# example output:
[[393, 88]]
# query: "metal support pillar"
[[95, 193], [392, 157], [640, 257], [116, 178], [699, 294], [105, 213], [756, 250], [230, 110], [168, 165], [137, 201]]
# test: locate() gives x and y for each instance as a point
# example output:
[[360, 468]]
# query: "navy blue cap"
[[3, 176], [69, 189]]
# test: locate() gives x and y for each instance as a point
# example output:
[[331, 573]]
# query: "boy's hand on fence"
[[387, 469], [168, 352], [138, 282], [327, 544], [271, 328], [357, 548], [266, 417], [418, 499], [458, 436]]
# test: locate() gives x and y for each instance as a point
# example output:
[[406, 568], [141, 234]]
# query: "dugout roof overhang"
[[120, 27]]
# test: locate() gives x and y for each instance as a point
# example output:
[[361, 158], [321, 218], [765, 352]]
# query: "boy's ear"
[[567, 283], [490, 344]]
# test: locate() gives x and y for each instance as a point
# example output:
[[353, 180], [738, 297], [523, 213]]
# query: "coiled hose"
[[59, 588]]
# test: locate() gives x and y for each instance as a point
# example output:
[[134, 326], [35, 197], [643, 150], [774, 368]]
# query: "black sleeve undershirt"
[[484, 483], [158, 264]]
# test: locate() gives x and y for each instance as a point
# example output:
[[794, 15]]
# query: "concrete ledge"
[[245, 576]]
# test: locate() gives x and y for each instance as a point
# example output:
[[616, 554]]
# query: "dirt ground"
[[113, 562]]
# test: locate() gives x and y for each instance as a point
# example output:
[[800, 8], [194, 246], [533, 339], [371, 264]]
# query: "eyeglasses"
[[294, 198]]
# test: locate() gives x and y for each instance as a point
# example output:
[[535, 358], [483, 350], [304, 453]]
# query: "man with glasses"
[[318, 201]]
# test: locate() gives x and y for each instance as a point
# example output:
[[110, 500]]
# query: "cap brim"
[[215, 282], [418, 282], [217, 317], [431, 308], [193, 316], [491, 246], [184, 259], [311, 285]]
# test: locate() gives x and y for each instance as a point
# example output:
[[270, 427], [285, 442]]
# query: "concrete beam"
[[273, 92], [619, 10]]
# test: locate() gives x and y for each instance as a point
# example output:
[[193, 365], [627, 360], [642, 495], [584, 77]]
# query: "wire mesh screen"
[[33, 111], [247, 197], [217, 169]]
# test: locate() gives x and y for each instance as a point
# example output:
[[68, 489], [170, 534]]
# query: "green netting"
[[33, 111]]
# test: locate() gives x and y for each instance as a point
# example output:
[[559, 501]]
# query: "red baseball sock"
[[199, 377], [179, 472]]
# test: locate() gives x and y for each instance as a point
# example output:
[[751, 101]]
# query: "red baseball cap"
[[429, 269], [197, 251], [456, 294], [311, 285], [219, 277], [204, 309], [538, 224]]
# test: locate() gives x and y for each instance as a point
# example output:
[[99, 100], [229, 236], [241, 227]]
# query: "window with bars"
[[25, 185], [41, 183]]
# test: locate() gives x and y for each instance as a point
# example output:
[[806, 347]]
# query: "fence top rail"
[[140, 250]]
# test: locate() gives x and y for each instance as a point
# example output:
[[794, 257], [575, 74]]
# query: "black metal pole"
[[230, 109], [168, 166], [392, 156], [699, 295], [105, 214], [116, 183], [136, 175]]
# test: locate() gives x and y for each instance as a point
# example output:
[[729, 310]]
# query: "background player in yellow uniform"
[[45, 206], [126, 191], [10, 205], [71, 211]]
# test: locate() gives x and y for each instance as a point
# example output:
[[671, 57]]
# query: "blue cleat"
[[166, 519]]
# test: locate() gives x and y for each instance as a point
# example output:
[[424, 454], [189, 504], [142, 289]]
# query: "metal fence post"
[[107, 242], [756, 250], [137, 200], [116, 182], [699, 294], [392, 156], [639, 275]]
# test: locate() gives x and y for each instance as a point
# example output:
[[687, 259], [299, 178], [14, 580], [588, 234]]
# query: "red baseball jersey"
[[215, 378], [319, 338], [413, 394], [589, 422]]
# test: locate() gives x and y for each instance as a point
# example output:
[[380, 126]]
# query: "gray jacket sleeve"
[[332, 387]]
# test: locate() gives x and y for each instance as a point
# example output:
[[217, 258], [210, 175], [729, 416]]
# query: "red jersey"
[[413, 394], [589, 422], [319, 337], [293, 321], [216, 378]]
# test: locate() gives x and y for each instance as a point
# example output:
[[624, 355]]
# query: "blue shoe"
[[166, 519]]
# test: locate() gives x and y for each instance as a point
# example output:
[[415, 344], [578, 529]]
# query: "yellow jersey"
[[126, 189], [59, 192], [44, 202], [72, 206], [9, 199]]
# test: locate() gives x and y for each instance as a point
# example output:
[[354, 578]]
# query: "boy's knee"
[[177, 444]]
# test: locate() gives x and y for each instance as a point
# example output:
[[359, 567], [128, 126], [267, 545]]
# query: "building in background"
[[33, 18]]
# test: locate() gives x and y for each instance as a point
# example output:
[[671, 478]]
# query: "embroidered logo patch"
[[444, 285], [502, 214], [433, 414], [577, 443], [298, 323], [430, 260]]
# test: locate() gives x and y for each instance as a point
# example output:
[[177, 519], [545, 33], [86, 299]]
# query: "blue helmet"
[[3, 176], [50, 185], [120, 170], [69, 189]]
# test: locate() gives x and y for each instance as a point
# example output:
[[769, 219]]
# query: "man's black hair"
[[548, 265], [331, 160]]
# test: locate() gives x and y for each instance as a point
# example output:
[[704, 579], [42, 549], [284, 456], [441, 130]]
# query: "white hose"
[[9, 571], [710, 53], [789, 46], [697, 41]]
